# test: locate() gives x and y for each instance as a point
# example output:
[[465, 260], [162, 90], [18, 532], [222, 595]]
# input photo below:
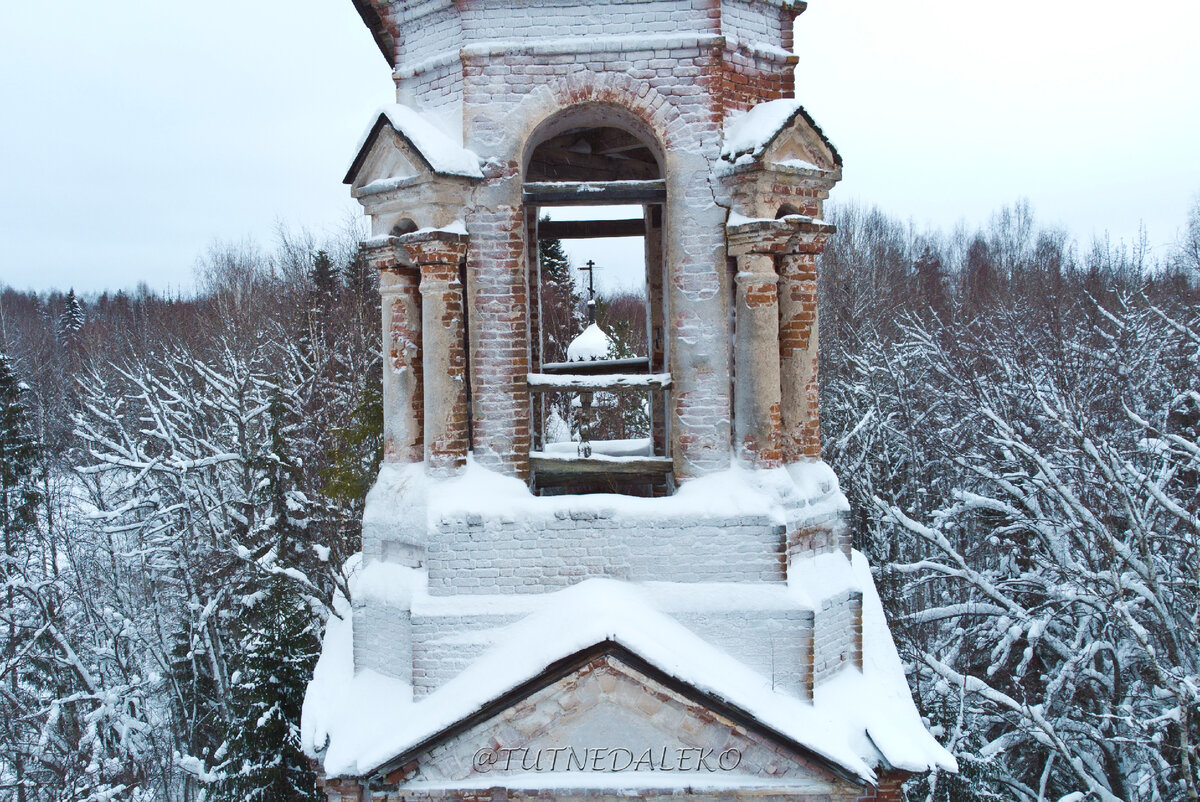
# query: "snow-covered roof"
[[751, 132], [356, 723], [438, 148], [591, 345]]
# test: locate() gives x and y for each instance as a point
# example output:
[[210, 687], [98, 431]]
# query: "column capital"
[[810, 238], [382, 253], [435, 246], [757, 236]]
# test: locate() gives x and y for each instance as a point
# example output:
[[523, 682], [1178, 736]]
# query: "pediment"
[[779, 133], [610, 719], [389, 157], [403, 143], [801, 143]]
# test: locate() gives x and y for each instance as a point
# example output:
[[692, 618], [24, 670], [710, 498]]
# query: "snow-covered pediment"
[[403, 143], [779, 133], [606, 718]]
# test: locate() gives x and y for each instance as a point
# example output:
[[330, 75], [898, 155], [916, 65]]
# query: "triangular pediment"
[[800, 143], [779, 133], [388, 156], [401, 143], [606, 718]]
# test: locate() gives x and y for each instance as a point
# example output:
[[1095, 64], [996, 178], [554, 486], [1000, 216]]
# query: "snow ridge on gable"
[[437, 147]]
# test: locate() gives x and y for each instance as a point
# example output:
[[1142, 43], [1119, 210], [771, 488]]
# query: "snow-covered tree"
[[71, 321], [277, 633]]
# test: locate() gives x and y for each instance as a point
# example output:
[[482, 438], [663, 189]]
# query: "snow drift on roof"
[[357, 723], [592, 344], [438, 147], [751, 131]]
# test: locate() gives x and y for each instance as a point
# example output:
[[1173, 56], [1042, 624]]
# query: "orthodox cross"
[[591, 271]]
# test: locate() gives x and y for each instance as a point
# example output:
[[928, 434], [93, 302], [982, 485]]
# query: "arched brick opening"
[[598, 153]]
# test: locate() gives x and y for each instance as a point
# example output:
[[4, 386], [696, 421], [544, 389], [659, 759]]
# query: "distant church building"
[[542, 609]]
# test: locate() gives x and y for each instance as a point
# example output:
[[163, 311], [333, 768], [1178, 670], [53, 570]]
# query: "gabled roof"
[[614, 649], [868, 719], [754, 132], [436, 148]]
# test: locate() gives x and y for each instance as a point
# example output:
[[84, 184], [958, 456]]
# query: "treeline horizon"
[[1015, 420]]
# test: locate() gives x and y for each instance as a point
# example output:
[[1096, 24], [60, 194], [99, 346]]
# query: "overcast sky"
[[135, 133]]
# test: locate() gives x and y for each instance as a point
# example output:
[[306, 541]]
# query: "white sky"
[[134, 133]]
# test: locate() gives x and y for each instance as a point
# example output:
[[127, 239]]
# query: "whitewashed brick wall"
[[750, 24], [473, 555], [776, 643], [835, 644]]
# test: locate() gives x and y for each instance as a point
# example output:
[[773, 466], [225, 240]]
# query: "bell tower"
[[544, 612]]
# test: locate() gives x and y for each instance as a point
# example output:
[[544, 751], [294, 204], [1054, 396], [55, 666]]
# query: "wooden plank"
[[607, 382], [544, 466], [595, 193], [595, 367], [591, 229]]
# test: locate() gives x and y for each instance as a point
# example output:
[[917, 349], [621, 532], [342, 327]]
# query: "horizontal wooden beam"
[[544, 466], [590, 229], [595, 193], [611, 382], [595, 367]]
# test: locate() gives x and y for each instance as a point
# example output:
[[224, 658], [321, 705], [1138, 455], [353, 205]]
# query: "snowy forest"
[[1014, 416]]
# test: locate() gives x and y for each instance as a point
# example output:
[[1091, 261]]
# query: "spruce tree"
[[70, 322], [279, 647], [556, 265], [19, 499], [278, 637], [324, 276], [561, 320]]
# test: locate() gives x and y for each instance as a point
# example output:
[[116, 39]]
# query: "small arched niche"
[[594, 192], [402, 227]]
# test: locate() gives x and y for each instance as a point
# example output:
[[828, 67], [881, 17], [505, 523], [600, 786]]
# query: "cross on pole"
[[591, 271]]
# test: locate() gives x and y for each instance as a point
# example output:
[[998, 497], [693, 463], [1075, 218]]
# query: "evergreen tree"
[[556, 265], [359, 278], [70, 322], [278, 638], [279, 648], [981, 282], [561, 319], [19, 499], [324, 276]]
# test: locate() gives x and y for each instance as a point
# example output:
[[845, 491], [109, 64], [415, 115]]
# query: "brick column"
[[756, 415], [438, 255], [403, 395], [800, 394]]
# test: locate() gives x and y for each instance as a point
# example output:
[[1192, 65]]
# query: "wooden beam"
[[611, 382], [591, 229], [595, 193], [544, 466], [635, 364]]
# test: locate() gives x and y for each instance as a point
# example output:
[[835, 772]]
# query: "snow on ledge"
[[405, 499]]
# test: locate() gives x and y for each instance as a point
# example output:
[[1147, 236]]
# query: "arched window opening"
[[594, 211], [593, 154]]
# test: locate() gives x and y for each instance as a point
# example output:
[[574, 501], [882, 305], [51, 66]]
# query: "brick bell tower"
[[541, 613]]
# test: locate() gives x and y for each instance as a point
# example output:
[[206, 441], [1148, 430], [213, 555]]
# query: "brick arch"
[[640, 100]]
